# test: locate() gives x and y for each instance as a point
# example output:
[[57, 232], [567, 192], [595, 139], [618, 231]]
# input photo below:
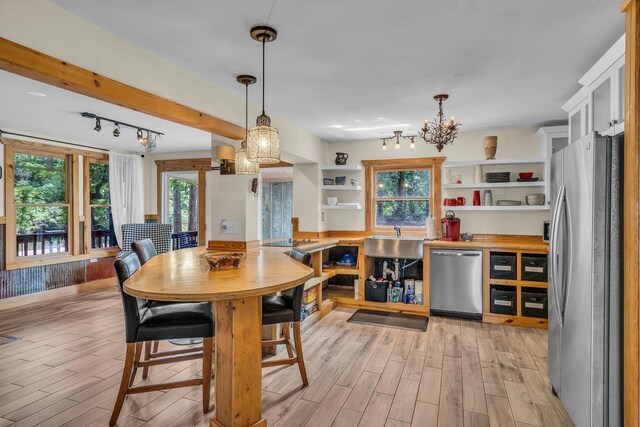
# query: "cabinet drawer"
[[534, 268], [534, 303], [503, 266], [503, 300]]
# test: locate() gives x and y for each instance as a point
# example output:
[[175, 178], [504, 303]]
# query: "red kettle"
[[451, 230]]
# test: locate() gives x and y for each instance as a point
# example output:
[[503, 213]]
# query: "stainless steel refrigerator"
[[585, 280]]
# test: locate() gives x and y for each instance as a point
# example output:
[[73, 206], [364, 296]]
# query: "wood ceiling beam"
[[631, 227], [26, 62]]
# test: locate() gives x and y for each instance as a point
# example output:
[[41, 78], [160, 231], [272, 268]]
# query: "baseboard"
[[22, 300]]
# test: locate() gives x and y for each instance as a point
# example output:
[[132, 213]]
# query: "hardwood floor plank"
[[452, 372], [499, 412], [425, 415], [390, 378], [451, 411], [377, 410], [404, 401], [347, 418], [299, 414], [329, 408], [362, 392], [414, 365], [472, 419], [429, 391], [522, 407], [473, 396]]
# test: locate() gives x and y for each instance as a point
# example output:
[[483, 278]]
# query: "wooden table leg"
[[238, 371]]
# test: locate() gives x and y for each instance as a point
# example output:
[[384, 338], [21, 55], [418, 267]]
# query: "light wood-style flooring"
[[66, 365]]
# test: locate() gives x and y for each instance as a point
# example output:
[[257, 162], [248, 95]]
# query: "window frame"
[[77, 250], [202, 166], [433, 164], [94, 158]]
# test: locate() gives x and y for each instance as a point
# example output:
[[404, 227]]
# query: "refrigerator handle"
[[554, 238], [566, 277]]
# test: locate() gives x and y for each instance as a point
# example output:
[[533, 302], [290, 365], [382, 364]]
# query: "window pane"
[[39, 179], [102, 234], [402, 212], [99, 187], [183, 203], [410, 183], [41, 229]]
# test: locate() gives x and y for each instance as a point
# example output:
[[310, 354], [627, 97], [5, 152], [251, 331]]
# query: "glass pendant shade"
[[263, 142], [243, 165]]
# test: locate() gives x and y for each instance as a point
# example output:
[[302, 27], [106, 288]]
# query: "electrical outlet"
[[229, 227], [322, 216]]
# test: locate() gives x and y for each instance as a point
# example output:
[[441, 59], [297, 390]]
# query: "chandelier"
[[439, 132], [243, 165], [397, 134], [263, 140]]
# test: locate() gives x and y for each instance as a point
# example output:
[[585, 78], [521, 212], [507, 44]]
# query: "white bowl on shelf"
[[332, 201]]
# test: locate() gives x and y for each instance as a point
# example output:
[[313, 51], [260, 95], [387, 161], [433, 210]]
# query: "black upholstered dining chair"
[[144, 322], [144, 249], [286, 308]]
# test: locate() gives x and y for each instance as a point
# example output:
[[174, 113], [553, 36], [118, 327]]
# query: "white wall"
[[513, 143]]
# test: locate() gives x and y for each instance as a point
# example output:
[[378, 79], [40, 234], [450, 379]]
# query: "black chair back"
[[144, 249], [296, 293], [132, 306]]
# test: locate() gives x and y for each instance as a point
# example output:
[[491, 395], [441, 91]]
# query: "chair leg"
[[147, 356], [207, 346], [124, 383], [155, 346], [286, 330], [298, 342], [136, 360]]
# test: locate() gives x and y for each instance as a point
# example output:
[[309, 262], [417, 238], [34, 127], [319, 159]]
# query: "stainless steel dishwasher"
[[455, 280]]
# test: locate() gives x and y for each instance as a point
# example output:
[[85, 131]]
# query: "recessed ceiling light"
[[37, 94]]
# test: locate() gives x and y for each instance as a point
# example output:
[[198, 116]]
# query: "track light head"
[[98, 127], [116, 131]]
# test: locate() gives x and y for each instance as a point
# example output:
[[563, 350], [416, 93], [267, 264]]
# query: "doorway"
[[277, 204]]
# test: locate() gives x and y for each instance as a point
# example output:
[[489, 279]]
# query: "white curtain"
[[126, 189]]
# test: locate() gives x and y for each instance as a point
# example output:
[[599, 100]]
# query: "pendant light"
[[243, 165], [263, 140]]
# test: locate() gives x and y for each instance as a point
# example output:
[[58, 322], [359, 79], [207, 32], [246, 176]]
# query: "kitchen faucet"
[[398, 231]]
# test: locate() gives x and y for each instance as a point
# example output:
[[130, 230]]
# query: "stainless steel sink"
[[394, 247]]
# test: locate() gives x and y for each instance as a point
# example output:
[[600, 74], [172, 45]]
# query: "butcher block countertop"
[[507, 242], [504, 244]]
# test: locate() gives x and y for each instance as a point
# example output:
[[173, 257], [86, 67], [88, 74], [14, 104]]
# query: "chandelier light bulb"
[[397, 146], [98, 127], [412, 144], [384, 145]]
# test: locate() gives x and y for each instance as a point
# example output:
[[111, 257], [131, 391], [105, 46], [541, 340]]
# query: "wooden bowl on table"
[[224, 260]]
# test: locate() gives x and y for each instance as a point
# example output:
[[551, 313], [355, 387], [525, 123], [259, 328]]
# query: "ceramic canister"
[[488, 198]]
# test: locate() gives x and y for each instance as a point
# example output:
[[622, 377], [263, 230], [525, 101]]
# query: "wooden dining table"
[[184, 275]]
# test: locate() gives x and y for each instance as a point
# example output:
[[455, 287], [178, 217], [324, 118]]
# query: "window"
[[48, 189], [402, 192], [42, 204], [402, 197], [102, 233]]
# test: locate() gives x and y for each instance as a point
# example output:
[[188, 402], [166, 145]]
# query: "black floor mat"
[[390, 320]]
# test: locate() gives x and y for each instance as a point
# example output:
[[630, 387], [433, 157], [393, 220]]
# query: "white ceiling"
[[354, 69], [57, 115]]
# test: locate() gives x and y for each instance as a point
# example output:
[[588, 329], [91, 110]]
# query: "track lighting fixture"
[[397, 134], [148, 141]]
